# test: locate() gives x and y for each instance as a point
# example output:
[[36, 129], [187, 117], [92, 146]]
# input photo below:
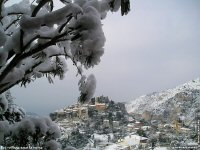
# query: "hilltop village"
[[103, 124]]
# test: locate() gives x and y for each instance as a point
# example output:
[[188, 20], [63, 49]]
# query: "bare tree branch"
[[6, 87], [64, 24], [20, 57], [1, 4], [15, 13], [13, 22], [21, 39], [39, 6]]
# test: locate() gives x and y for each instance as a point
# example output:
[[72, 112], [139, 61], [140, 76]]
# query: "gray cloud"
[[155, 47]]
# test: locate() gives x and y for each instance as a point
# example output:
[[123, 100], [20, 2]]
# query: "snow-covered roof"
[[132, 140], [192, 144], [115, 147], [185, 129], [145, 127], [161, 148], [130, 125]]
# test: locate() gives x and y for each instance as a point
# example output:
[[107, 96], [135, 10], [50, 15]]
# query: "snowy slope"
[[185, 97]]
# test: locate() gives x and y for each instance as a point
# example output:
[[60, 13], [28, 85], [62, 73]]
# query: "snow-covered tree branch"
[[36, 40]]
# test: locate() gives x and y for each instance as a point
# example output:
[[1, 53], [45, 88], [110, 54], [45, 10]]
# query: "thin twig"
[[39, 6], [13, 22]]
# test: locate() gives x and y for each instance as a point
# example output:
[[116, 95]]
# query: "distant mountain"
[[182, 100], [31, 114]]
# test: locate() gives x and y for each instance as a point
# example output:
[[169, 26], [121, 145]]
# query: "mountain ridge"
[[183, 98]]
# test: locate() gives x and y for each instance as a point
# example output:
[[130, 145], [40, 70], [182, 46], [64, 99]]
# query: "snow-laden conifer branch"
[[12, 23], [26, 79], [39, 6], [35, 42], [41, 33]]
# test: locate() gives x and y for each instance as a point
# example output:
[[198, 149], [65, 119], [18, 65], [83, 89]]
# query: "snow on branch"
[[3, 103], [30, 131], [36, 40], [87, 87]]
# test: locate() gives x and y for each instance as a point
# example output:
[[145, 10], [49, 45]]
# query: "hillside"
[[182, 101]]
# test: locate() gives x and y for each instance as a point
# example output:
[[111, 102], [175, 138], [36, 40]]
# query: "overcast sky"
[[155, 47]]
